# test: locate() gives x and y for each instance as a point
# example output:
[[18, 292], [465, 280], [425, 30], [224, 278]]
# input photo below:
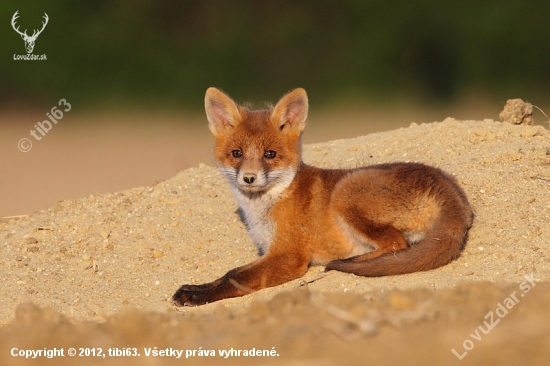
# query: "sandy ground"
[[101, 269]]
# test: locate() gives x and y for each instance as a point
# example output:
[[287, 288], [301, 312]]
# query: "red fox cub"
[[376, 220]]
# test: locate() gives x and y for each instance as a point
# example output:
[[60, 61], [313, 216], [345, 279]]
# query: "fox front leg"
[[271, 270]]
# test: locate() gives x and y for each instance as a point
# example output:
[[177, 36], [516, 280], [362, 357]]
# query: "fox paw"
[[190, 295]]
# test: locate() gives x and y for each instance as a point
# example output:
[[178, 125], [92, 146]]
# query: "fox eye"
[[237, 153], [270, 154]]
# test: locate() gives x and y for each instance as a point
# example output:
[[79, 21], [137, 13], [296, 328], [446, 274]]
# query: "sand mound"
[[97, 257]]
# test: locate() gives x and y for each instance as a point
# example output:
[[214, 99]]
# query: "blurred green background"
[[164, 54], [135, 73]]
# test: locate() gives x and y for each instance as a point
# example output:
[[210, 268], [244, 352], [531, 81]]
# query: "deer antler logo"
[[29, 41]]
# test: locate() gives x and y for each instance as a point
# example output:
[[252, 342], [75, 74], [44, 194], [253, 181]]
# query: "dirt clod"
[[517, 112]]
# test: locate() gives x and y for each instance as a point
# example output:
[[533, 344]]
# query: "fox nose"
[[249, 178]]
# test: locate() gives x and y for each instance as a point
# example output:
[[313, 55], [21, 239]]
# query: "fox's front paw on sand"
[[191, 295]]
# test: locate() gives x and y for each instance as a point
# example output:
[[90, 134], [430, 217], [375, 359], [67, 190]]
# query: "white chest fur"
[[256, 213]]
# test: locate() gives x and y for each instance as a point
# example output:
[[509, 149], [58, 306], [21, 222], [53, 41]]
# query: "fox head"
[[257, 150]]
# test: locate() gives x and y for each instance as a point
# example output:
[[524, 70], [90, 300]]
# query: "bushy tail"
[[441, 245]]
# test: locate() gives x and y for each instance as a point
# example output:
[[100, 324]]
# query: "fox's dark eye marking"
[[270, 154], [237, 153]]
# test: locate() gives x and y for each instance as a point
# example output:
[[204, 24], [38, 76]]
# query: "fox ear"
[[221, 111], [291, 111]]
